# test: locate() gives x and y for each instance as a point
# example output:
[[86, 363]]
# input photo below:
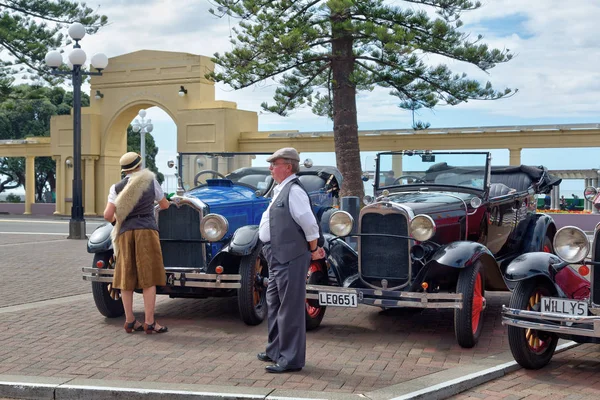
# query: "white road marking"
[[35, 221], [33, 233]]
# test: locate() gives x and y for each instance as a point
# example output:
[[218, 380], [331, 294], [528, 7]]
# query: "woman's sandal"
[[149, 328], [130, 326]]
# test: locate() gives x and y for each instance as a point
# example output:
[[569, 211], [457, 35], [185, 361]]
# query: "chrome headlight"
[[368, 200], [571, 244], [340, 223], [422, 227], [213, 227]]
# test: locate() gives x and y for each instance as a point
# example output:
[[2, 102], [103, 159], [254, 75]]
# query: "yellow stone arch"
[[135, 81]]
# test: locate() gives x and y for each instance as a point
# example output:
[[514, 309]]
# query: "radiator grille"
[[179, 231], [384, 257]]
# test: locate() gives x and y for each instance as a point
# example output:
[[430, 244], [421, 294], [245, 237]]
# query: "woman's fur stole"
[[137, 184]]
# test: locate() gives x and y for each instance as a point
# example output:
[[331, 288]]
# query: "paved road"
[[51, 328], [41, 225]]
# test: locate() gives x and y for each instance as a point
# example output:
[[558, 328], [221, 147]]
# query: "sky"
[[555, 69]]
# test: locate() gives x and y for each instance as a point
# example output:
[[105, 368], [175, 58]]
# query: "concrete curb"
[[458, 385], [435, 386]]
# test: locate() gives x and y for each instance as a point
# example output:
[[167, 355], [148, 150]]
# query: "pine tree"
[[31, 28], [322, 52]]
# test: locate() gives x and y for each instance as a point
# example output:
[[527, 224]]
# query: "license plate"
[[564, 306], [338, 299]]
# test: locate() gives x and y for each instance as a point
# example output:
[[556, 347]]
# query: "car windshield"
[[251, 170], [431, 168]]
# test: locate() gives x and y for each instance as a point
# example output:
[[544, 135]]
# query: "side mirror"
[[170, 163], [308, 163], [365, 177], [589, 193]]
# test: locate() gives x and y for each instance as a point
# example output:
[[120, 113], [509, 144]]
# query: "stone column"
[[515, 156], [60, 185], [586, 204], [553, 201], [89, 189], [29, 183]]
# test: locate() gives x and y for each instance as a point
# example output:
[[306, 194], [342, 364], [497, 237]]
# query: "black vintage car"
[[209, 233], [441, 230], [556, 296]]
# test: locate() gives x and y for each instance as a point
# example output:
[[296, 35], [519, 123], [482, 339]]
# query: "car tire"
[[315, 312], [252, 295], [532, 349], [108, 301], [468, 321]]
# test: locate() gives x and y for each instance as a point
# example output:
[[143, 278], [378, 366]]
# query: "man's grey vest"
[[142, 215], [287, 237]]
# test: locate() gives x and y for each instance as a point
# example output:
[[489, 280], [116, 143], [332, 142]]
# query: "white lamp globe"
[[149, 128], [53, 59], [142, 113], [77, 57], [69, 64], [99, 61], [77, 31]]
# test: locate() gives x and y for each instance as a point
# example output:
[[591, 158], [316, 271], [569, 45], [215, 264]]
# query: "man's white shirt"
[[300, 210]]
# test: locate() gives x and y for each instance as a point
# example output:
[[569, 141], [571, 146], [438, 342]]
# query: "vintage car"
[[209, 233], [556, 296], [437, 235]]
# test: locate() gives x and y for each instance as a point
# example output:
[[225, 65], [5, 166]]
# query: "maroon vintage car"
[[556, 296], [441, 230]]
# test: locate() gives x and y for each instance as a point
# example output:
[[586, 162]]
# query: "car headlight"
[[213, 227], [422, 227], [340, 223], [571, 244]]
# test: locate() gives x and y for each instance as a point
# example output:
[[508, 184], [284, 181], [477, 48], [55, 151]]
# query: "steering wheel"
[[207, 171], [416, 179]]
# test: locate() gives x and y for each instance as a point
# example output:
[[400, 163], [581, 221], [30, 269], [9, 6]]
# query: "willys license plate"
[[564, 306], [338, 299]]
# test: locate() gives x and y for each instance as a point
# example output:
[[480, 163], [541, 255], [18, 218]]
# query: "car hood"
[[225, 192], [427, 202]]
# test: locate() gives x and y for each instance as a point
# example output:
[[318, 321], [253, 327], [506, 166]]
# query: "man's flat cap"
[[130, 161], [288, 153]]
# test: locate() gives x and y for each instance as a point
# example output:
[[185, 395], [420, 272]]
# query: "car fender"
[[100, 241], [243, 241], [462, 254], [536, 232], [534, 265], [342, 260]]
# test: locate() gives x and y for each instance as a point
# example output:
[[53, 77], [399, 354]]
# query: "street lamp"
[[142, 127], [77, 58]]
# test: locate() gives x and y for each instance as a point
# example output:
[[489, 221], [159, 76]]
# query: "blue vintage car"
[[209, 234]]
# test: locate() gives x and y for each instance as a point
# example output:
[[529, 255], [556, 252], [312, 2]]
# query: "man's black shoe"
[[278, 369], [264, 357]]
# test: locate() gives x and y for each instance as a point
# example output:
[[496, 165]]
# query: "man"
[[289, 232], [389, 178], [574, 203], [139, 263]]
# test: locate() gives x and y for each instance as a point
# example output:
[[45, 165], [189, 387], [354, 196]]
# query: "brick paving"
[[40, 267], [355, 351], [571, 375]]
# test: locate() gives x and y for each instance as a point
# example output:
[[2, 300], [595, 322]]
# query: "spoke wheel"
[[547, 246], [468, 321], [252, 295], [531, 348], [315, 312], [107, 299]]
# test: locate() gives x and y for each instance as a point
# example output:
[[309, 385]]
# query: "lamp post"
[[142, 127], [77, 58]]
